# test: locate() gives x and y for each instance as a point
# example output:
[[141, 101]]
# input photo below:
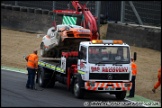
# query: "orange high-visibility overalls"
[[134, 69], [158, 83], [32, 61], [134, 73]]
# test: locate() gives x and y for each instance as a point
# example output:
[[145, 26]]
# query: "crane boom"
[[88, 21]]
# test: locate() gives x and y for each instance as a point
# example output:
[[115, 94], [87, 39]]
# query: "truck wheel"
[[78, 92], [120, 95], [41, 80], [44, 79]]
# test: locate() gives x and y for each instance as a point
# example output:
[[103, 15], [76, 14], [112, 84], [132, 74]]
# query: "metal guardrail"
[[26, 9], [136, 25], [138, 12]]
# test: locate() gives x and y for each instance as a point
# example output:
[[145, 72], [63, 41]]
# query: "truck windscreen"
[[109, 54]]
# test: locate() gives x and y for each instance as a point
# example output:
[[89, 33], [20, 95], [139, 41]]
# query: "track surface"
[[14, 94], [16, 44]]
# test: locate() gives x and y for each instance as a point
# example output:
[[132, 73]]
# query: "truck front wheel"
[[120, 95], [78, 92]]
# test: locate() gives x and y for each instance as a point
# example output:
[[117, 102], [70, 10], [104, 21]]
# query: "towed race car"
[[63, 38]]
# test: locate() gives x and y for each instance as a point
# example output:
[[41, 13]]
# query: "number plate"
[[109, 89]]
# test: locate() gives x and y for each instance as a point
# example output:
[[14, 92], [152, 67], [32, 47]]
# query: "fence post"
[[136, 13], [16, 3], [122, 13], [97, 12], [53, 5]]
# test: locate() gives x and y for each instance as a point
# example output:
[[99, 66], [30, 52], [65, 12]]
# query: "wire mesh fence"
[[36, 4], [149, 12], [50, 5]]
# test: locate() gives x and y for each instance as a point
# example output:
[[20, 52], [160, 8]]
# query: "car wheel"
[[42, 50]]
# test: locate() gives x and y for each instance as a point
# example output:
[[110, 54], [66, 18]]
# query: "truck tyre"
[[42, 50], [120, 95], [41, 80], [78, 92], [44, 79]]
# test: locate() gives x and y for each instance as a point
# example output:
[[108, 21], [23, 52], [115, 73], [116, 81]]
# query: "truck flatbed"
[[49, 58], [52, 64]]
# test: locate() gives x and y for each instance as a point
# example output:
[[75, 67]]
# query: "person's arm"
[[159, 70], [26, 58], [36, 62]]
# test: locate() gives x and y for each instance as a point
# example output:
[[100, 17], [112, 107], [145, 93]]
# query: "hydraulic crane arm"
[[70, 12], [88, 21]]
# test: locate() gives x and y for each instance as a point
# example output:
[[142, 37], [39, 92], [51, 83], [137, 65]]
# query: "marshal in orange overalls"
[[32, 66], [158, 83]]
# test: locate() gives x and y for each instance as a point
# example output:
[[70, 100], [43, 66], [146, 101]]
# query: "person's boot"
[[153, 90]]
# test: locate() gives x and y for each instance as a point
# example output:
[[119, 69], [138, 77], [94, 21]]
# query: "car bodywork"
[[63, 37]]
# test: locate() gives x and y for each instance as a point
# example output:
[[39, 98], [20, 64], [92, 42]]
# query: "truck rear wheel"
[[78, 92], [44, 78], [120, 95]]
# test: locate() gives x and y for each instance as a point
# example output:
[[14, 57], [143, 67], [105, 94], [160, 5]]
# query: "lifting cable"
[[47, 83]]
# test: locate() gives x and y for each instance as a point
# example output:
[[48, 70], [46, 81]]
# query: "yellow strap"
[[81, 72]]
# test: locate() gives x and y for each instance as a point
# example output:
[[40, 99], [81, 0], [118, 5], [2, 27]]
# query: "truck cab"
[[105, 65], [104, 59]]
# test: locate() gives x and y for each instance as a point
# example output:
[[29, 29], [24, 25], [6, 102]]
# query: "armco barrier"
[[26, 19], [135, 35], [33, 20]]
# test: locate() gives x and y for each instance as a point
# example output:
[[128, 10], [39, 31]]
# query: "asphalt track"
[[14, 94]]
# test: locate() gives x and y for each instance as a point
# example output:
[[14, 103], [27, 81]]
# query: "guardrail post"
[[16, 3], [122, 16]]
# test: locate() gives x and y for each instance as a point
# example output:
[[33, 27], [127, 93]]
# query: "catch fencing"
[[137, 12]]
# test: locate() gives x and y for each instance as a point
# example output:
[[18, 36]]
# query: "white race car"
[[58, 38]]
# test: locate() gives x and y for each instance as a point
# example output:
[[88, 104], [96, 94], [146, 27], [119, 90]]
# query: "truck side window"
[[84, 51]]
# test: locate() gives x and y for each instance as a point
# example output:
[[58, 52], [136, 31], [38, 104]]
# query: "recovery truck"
[[92, 66]]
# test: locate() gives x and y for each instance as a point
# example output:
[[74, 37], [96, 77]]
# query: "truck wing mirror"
[[135, 56]]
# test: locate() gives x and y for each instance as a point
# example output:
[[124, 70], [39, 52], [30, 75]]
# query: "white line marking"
[[14, 70], [134, 102], [130, 101]]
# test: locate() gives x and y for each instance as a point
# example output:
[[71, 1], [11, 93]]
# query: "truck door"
[[83, 59]]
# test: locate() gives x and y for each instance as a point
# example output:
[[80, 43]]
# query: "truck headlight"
[[91, 83], [127, 84]]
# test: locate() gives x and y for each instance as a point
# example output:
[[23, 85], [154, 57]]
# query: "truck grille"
[[109, 76]]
